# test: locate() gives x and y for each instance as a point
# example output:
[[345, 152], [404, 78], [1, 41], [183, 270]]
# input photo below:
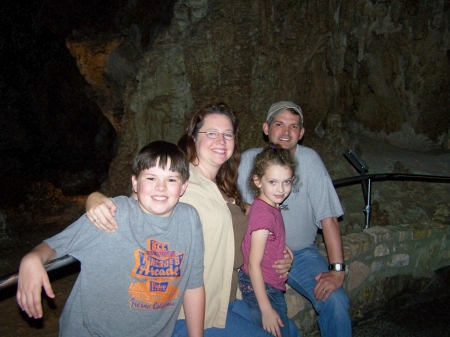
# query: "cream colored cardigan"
[[217, 225]]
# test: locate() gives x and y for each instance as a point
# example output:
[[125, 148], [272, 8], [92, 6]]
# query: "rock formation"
[[382, 67]]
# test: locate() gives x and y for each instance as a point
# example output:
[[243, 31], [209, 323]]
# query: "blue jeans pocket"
[[245, 285]]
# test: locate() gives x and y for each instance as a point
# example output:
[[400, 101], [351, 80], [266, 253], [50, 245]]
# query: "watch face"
[[337, 267]]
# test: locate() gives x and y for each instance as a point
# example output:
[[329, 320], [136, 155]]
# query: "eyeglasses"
[[215, 135]]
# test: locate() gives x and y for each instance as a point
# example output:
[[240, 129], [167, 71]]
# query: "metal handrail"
[[10, 279], [389, 176], [366, 180]]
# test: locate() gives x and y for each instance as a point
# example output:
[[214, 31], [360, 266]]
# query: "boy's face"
[[158, 190]]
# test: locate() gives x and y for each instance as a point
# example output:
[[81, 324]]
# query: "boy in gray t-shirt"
[[133, 281]]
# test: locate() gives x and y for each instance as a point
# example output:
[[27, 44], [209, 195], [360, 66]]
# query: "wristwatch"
[[336, 267]]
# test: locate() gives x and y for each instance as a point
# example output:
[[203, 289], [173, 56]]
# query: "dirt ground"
[[27, 225]]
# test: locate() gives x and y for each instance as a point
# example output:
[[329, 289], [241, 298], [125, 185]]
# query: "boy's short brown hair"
[[160, 152]]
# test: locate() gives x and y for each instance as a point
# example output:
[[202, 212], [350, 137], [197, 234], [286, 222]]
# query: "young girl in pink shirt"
[[262, 288]]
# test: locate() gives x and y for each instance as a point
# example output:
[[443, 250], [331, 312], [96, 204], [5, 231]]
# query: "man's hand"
[[330, 281], [247, 208], [282, 267], [327, 283]]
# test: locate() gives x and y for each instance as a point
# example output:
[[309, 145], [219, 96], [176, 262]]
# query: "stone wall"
[[381, 263]]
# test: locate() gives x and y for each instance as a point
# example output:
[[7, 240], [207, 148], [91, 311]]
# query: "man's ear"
[[256, 181], [183, 188], [266, 128], [302, 133]]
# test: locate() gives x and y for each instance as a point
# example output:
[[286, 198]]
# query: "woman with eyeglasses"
[[211, 144]]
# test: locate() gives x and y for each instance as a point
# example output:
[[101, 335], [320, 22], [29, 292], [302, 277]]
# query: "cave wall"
[[379, 68]]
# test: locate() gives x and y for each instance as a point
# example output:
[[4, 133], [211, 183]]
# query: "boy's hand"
[[32, 277], [100, 210], [271, 321]]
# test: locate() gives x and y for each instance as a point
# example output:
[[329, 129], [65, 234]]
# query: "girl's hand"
[[100, 210], [271, 321]]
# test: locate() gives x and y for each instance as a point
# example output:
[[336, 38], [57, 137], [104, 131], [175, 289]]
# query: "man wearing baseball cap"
[[313, 204]]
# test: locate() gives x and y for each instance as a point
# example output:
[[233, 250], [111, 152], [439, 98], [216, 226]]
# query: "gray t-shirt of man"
[[132, 281], [312, 198]]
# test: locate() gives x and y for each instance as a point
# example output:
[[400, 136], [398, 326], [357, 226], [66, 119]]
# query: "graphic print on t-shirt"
[[156, 266]]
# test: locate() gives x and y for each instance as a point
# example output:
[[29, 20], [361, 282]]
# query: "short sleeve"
[[321, 192], [259, 219], [196, 276]]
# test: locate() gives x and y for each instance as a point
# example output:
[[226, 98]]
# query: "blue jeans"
[[334, 320], [276, 299], [239, 323]]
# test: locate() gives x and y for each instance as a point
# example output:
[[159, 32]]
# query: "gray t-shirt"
[[312, 198], [132, 281]]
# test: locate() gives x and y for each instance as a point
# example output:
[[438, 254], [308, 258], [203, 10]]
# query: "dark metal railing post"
[[366, 184], [368, 208]]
